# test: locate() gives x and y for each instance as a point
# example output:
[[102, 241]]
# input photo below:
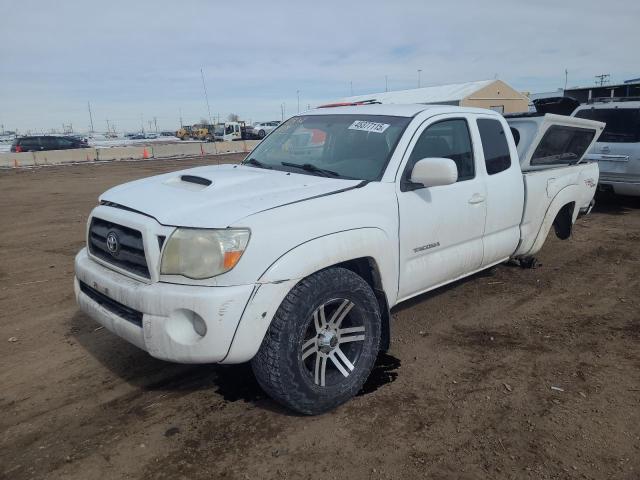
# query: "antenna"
[[206, 97]]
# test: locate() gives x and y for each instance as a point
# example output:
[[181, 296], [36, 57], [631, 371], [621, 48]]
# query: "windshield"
[[623, 124], [341, 146]]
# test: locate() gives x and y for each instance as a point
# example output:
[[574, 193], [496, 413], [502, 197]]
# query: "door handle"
[[477, 198]]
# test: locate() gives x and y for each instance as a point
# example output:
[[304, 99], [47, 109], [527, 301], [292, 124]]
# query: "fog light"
[[186, 327]]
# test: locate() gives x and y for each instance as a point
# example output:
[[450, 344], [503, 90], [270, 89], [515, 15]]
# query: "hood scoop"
[[195, 179], [190, 182]]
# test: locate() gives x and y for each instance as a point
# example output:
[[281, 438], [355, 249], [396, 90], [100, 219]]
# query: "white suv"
[[618, 149], [262, 129]]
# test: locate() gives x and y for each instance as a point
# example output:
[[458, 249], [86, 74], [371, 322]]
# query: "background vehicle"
[[293, 259], [618, 149], [184, 133], [232, 131], [46, 142], [261, 129]]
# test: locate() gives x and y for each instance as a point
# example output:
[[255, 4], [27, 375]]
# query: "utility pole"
[[386, 83], [566, 76], [419, 72], [603, 78], [155, 123], [108, 129], [180, 111], [351, 87], [206, 97], [141, 123], [90, 116], [298, 94]]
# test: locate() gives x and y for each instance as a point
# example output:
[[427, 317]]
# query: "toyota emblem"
[[113, 244]]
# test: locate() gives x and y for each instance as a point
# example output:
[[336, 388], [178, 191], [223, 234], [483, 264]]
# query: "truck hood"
[[219, 196]]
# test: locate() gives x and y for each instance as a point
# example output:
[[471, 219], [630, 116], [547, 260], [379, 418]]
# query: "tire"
[[327, 326], [261, 134]]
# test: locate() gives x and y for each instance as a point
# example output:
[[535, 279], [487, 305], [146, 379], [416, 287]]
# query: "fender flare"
[[563, 198], [332, 249], [299, 262]]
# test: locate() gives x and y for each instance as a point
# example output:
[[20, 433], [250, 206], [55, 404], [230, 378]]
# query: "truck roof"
[[395, 110]]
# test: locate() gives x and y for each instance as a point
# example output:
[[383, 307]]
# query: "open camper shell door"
[[553, 140]]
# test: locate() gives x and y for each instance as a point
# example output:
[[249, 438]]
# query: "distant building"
[[492, 94], [630, 88]]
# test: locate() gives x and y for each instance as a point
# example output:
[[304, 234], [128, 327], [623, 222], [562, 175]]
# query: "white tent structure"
[[493, 94]]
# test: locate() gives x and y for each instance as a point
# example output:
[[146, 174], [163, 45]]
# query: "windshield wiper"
[[312, 168], [257, 163]]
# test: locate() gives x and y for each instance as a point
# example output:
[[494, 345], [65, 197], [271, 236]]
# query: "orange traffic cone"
[[145, 153]]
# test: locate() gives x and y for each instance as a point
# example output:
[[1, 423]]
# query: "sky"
[[136, 61]]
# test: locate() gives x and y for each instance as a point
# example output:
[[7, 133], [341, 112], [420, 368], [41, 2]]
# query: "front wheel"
[[322, 343]]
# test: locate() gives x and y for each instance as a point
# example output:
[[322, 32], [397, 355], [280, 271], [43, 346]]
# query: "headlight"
[[202, 254]]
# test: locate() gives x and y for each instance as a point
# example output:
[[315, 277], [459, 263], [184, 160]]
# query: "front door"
[[441, 228]]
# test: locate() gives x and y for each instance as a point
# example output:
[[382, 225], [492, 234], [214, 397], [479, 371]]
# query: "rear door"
[[441, 227], [505, 189]]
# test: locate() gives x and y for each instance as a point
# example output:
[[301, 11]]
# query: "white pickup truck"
[[294, 258]]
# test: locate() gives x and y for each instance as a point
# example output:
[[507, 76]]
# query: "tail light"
[[18, 148]]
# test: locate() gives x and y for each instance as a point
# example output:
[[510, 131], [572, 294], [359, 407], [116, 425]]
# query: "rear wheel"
[[261, 133], [322, 342]]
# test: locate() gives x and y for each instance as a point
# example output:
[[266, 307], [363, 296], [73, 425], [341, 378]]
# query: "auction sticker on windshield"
[[366, 126]]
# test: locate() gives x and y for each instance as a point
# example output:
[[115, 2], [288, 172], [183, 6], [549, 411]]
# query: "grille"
[[110, 304], [129, 254]]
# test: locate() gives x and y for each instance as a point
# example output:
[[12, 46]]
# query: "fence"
[[135, 152]]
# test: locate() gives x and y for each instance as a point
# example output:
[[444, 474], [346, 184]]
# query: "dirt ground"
[[512, 373]]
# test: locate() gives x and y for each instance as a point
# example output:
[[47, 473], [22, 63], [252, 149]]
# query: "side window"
[[494, 145], [562, 145], [30, 143], [64, 142], [49, 143], [446, 139]]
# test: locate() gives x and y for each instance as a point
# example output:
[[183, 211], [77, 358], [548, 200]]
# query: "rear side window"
[[623, 124], [562, 145], [30, 142], [497, 157]]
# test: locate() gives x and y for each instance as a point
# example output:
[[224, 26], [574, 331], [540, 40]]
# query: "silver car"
[[262, 129], [618, 148]]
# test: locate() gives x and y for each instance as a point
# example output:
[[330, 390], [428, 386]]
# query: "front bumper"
[[172, 316]]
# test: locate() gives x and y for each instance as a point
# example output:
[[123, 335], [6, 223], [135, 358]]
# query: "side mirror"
[[434, 172]]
